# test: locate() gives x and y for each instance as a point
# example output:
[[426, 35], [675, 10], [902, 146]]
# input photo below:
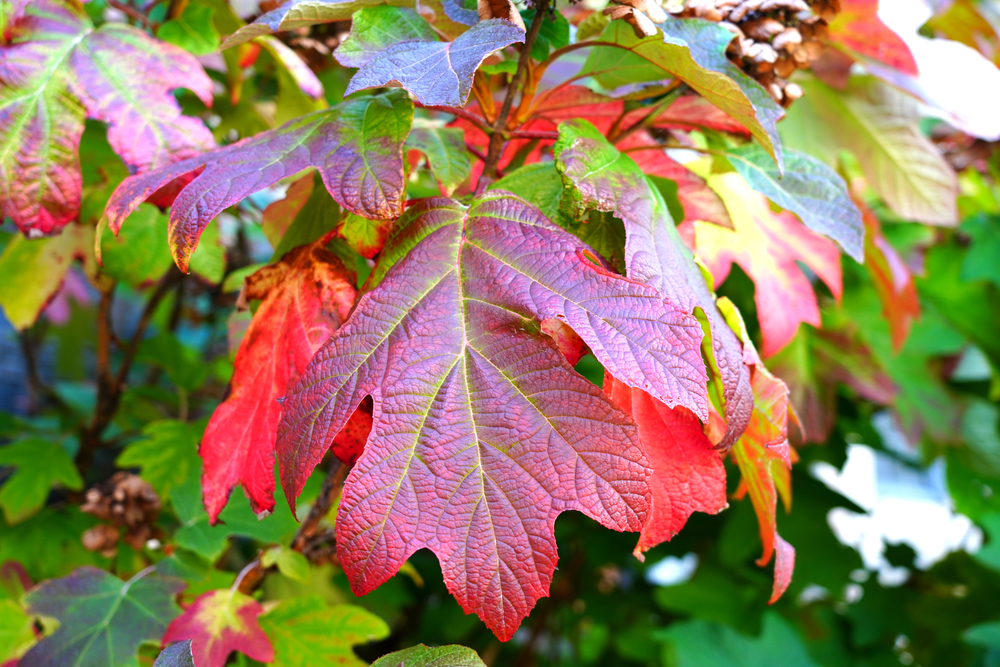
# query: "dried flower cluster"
[[127, 502], [773, 37]]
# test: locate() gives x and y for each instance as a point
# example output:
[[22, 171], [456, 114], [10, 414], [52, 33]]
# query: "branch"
[[496, 138], [478, 121], [547, 135]]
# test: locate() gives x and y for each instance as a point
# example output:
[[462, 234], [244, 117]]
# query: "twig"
[[500, 124], [478, 121], [671, 96], [532, 134], [132, 12]]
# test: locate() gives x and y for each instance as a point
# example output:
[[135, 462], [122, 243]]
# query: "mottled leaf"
[[879, 126], [858, 28], [768, 246], [357, 147], [296, 14], [425, 656], [58, 70], [218, 623], [688, 475], [306, 631], [166, 454], [810, 189], [102, 619], [451, 328], [694, 51], [607, 180], [375, 29], [305, 298], [436, 73], [177, 654], [32, 271], [445, 151], [39, 465]]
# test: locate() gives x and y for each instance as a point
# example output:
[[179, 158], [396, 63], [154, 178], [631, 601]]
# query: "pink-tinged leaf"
[[610, 181], [450, 331], [691, 112], [556, 105], [688, 474], [892, 278], [437, 73], [858, 27], [304, 78], [305, 298], [218, 623], [784, 565], [58, 70], [278, 216], [699, 201], [357, 147], [767, 246]]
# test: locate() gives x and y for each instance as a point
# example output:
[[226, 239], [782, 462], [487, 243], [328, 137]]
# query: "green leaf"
[[40, 465], [374, 29], [166, 455], [694, 51], [425, 656], [878, 124], [17, 631], [48, 545], [102, 619], [139, 255], [541, 185], [985, 634], [810, 189], [209, 541], [697, 643], [290, 563], [445, 151], [209, 259], [32, 271], [980, 261], [554, 34], [306, 631], [193, 30]]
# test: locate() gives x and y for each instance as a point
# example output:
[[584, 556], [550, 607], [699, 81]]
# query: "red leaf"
[[218, 623], [688, 474], [858, 27], [784, 564], [767, 246], [483, 433], [305, 298], [892, 278]]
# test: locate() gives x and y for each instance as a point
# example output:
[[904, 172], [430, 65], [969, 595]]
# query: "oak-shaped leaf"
[[694, 51], [810, 189], [357, 147], [688, 474], [446, 154], [307, 631], [296, 14], [768, 246], [605, 179], [39, 464], [57, 71], [375, 29], [436, 73], [218, 623], [482, 433], [178, 654], [426, 656], [166, 454], [102, 619], [304, 297]]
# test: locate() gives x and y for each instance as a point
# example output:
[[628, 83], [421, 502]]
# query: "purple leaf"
[[483, 434], [357, 147], [437, 73]]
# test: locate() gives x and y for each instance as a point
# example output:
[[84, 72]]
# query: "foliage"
[[447, 272]]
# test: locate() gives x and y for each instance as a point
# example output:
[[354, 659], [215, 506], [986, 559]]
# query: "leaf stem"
[[500, 124], [464, 114]]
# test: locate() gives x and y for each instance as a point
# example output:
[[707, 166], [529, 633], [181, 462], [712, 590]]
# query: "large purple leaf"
[[482, 431], [357, 147], [437, 73], [58, 70], [608, 180]]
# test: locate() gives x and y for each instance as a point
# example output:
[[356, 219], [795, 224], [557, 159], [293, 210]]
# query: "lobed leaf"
[[178, 654], [450, 328], [810, 189], [305, 298], [58, 70], [218, 623], [102, 619], [17, 632], [446, 154], [166, 455], [768, 246], [357, 147], [607, 180], [375, 29], [39, 465], [436, 73]]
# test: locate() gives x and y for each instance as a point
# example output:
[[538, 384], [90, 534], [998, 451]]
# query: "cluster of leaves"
[[447, 272]]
